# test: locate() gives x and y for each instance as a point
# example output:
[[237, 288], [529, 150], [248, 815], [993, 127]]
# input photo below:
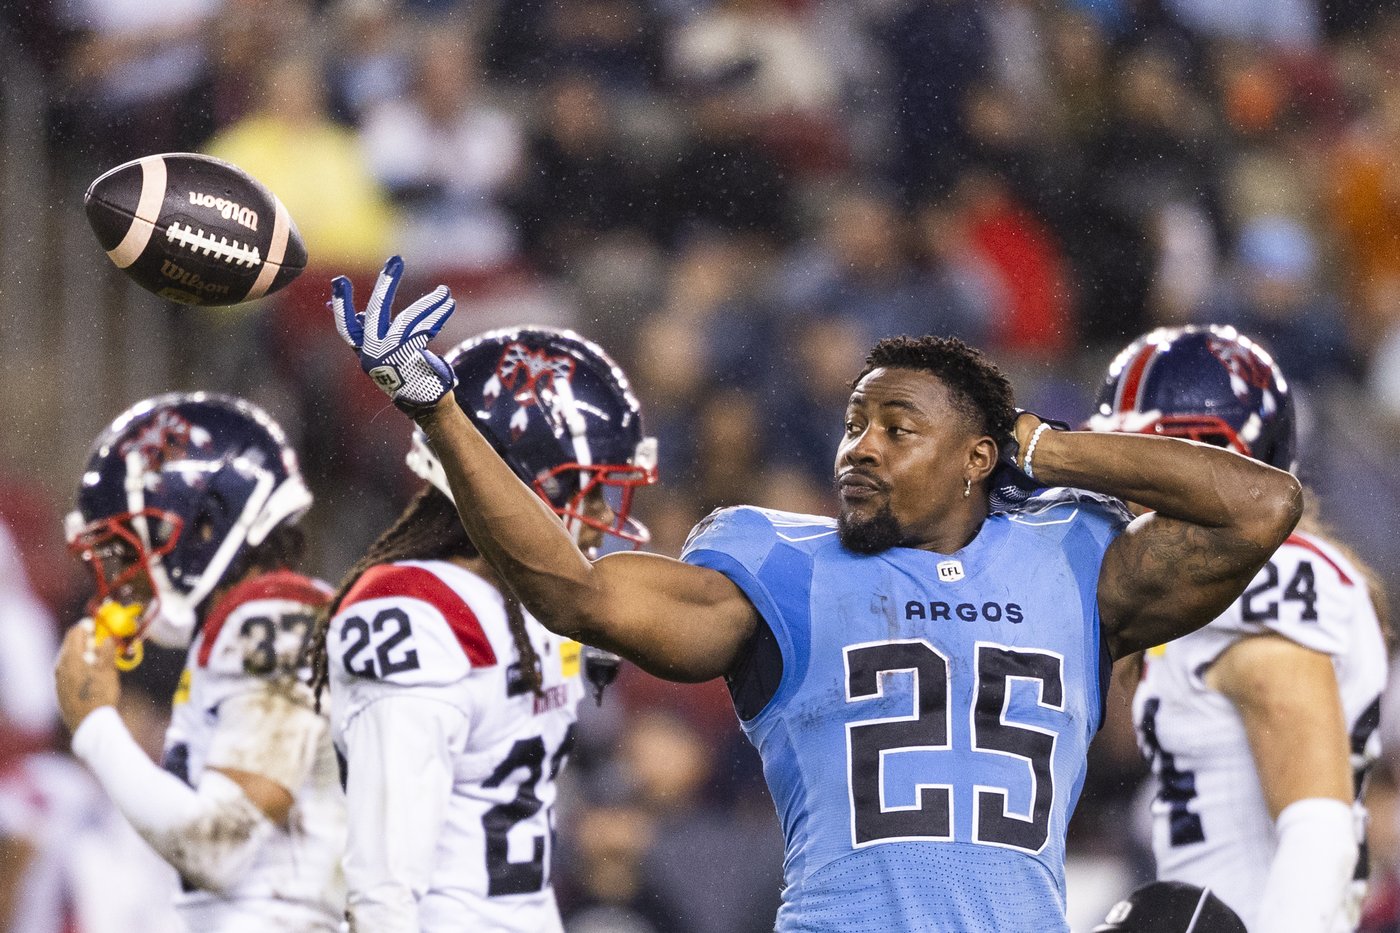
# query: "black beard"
[[878, 533]]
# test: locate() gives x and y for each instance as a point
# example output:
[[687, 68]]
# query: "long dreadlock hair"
[[427, 529]]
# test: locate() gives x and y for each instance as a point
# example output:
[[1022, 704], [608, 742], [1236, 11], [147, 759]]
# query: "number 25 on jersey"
[[869, 743]]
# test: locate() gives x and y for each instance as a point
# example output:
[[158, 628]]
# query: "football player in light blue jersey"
[[922, 675]]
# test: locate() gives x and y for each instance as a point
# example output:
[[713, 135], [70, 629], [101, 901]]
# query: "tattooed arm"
[[1215, 518]]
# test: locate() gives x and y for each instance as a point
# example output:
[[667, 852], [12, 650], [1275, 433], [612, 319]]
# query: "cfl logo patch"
[[950, 571], [387, 378]]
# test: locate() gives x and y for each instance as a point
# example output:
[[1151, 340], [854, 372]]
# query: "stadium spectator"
[[291, 144], [863, 274], [577, 183], [129, 65], [1294, 23], [446, 156], [724, 179], [927, 92], [790, 73], [615, 41]]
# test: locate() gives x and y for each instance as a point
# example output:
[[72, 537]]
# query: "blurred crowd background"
[[736, 198]]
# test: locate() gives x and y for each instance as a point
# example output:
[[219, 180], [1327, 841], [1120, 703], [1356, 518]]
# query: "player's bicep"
[[1163, 578], [673, 619], [1288, 699]]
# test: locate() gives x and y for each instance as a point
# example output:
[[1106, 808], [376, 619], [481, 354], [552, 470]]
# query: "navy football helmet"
[[1206, 383], [562, 414], [174, 490]]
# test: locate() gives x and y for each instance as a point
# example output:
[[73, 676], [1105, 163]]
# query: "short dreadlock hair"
[[981, 392]]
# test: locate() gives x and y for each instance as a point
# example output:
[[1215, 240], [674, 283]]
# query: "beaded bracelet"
[[1030, 449]]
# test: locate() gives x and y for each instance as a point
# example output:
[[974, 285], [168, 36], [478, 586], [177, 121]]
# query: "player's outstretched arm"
[[1215, 518], [672, 619]]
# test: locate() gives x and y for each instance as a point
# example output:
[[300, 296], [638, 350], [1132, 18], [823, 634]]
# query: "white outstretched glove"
[[396, 356]]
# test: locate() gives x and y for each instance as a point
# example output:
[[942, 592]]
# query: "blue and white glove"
[[396, 356], [1009, 486]]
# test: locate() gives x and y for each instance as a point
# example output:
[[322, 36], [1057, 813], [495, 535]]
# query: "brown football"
[[194, 229]]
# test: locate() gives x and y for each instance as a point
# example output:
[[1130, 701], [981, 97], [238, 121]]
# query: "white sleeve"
[[209, 834], [398, 780], [267, 731]]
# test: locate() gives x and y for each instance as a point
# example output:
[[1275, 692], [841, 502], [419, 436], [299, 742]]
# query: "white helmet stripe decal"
[[214, 570], [574, 421]]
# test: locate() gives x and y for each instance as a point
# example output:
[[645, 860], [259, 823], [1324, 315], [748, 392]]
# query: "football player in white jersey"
[[186, 515], [452, 707], [1260, 726]]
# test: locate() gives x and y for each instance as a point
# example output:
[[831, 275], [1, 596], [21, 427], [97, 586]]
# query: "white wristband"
[[1030, 448]]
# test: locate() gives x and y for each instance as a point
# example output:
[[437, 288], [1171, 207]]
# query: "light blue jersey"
[[926, 742]]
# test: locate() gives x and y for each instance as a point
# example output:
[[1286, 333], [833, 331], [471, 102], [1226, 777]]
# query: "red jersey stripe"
[[392, 581], [280, 584], [1299, 541]]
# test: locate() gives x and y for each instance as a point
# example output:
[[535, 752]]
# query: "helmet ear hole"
[[162, 531], [205, 525]]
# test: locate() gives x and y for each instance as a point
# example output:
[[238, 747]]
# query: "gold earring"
[[967, 490]]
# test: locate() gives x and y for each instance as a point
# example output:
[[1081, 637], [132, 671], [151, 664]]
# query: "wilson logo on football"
[[228, 210], [191, 280], [525, 373]]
